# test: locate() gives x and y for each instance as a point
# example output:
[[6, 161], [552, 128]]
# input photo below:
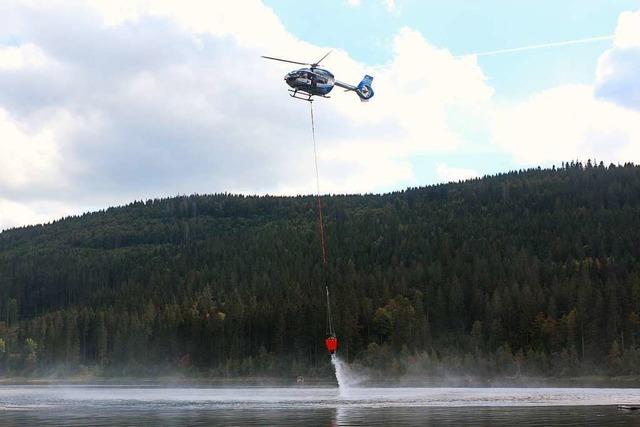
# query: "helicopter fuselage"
[[312, 81]]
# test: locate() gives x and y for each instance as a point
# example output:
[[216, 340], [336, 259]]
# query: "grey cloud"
[[622, 84], [157, 112]]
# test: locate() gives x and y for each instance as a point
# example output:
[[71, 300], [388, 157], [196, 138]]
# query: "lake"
[[310, 406]]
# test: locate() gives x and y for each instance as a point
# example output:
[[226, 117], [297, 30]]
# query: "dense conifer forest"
[[532, 272]]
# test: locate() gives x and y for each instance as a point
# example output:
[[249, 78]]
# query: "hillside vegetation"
[[533, 272]]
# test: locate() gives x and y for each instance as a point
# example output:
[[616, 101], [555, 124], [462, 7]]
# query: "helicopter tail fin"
[[364, 89]]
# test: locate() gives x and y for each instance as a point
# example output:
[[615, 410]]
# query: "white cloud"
[[390, 5], [413, 96], [252, 24], [15, 214], [447, 173], [619, 67], [27, 157], [581, 121], [17, 57], [628, 30], [566, 123], [110, 101]]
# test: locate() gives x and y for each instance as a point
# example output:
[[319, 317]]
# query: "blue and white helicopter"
[[313, 81]]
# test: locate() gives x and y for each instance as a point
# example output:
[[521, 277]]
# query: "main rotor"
[[312, 65]]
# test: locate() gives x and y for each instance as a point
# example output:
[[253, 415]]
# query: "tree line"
[[528, 272]]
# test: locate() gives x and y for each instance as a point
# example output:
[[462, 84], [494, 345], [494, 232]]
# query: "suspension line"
[[330, 330]]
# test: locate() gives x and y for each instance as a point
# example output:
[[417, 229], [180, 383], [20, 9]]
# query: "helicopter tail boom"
[[363, 90]]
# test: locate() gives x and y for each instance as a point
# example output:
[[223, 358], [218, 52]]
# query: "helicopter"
[[306, 83]]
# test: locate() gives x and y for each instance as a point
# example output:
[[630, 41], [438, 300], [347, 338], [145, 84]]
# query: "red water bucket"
[[331, 343]]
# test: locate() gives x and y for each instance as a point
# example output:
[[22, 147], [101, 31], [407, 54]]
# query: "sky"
[[103, 102]]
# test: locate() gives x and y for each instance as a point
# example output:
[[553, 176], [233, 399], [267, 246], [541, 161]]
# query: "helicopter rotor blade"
[[285, 60], [315, 64]]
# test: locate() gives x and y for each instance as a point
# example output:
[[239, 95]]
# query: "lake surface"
[[307, 406]]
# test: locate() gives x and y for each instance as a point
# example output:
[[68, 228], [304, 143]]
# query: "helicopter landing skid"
[[303, 95]]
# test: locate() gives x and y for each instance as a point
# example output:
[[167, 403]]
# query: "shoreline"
[[181, 381]]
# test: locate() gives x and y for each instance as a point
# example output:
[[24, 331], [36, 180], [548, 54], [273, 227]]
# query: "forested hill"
[[535, 271]]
